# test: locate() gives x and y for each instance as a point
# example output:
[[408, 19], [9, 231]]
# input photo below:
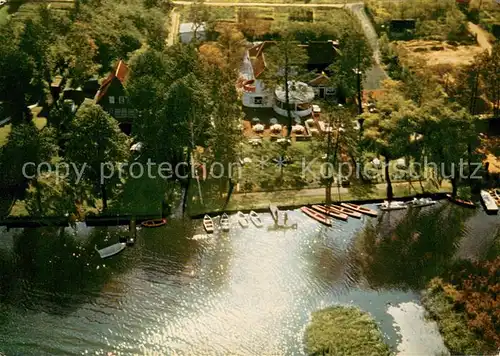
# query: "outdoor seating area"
[[266, 124]]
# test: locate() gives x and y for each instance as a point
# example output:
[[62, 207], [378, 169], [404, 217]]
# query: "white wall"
[[187, 37]]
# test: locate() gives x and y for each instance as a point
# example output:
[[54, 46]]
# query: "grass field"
[[20, 11], [4, 15]]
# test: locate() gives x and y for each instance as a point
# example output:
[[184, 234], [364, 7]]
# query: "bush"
[[344, 331]]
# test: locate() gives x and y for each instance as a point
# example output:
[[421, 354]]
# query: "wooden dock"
[[489, 203], [281, 218]]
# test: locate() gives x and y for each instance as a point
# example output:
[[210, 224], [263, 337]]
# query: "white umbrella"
[[258, 128], [273, 121], [276, 127]]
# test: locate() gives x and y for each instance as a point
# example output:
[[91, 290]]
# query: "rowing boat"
[[392, 205], [255, 218], [111, 250], [347, 211], [360, 209], [154, 223], [334, 213], [316, 216], [242, 219], [208, 224], [461, 202], [420, 203], [224, 222]]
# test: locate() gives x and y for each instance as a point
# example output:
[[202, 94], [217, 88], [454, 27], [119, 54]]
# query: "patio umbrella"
[[255, 120], [276, 127], [273, 121], [258, 128]]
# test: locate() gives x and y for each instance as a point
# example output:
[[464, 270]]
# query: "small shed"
[[187, 32]]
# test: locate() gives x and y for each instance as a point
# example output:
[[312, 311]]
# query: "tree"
[[199, 15], [284, 62], [95, 141], [27, 145], [491, 78], [350, 66], [450, 134], [16, 71], [388, 131]]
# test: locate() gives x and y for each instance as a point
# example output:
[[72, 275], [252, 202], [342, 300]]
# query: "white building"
[[187, 30], [300, 97], [256, 95]]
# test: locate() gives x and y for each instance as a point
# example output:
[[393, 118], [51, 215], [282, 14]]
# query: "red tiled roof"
[[256, 54], [120, 72]]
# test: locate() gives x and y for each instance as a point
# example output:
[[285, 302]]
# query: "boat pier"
[[281, 218]]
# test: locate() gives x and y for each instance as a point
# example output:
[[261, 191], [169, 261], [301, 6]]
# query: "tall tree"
[[16, 72], [491, 74], [285, 60], [28, 146], [96, 140], [388, 131], [349, 68]]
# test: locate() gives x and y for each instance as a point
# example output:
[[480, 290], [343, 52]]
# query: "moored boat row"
[[243, 219], [324, 213]]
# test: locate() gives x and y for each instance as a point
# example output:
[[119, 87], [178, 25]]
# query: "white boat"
[[420, 203], [242, 219], [111, 250], [489, 203], [255, 218], [392, 205], [208, 224], [224, 222]]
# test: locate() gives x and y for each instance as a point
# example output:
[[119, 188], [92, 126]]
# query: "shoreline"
[[124, 219]]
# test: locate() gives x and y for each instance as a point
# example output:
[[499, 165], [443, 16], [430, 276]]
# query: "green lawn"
[[4, 134], [4, 15]]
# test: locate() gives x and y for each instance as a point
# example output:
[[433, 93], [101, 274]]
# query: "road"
[[174, 27], [481, 35]]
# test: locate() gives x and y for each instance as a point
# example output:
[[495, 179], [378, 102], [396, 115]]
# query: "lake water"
[[246, 292]]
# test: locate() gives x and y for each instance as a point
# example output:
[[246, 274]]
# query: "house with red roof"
[[255, 94], [112, 96]]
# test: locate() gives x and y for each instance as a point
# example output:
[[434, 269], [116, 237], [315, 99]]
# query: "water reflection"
[[408, 251], [247, 292]]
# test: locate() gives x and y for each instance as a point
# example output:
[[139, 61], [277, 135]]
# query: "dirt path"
[[481, 35], [174, 27]]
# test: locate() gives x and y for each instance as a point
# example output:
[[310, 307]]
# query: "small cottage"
[[113, 97], [322, 87]]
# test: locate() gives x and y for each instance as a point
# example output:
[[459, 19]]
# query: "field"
[[287, 1], [22, 10], [267, 13], [438, 52], [4, 15], [489, 13]]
